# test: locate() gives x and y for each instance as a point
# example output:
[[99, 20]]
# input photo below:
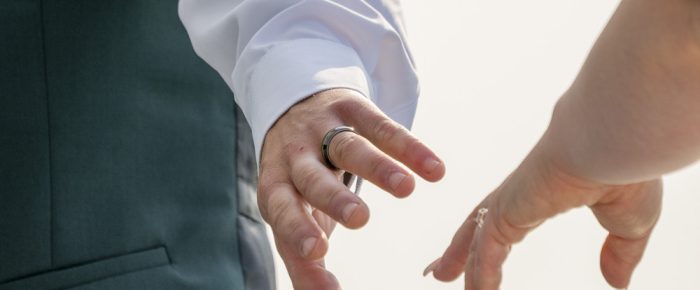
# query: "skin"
[[631, 116], [302, 199]]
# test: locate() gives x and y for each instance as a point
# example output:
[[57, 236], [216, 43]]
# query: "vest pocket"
[[92, 271]]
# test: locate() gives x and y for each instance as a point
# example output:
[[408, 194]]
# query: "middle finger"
[[352, 152], [323, 190]]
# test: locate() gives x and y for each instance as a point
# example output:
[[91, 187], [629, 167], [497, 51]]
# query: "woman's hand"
[[537, 190], [302, 198]]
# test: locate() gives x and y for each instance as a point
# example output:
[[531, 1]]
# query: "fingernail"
[[348, 211], [431, 164], [307, 246], [431, 267], [395, 179]]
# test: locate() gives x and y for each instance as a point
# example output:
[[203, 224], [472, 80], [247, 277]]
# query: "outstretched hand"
[[536, 191], [302, 198]]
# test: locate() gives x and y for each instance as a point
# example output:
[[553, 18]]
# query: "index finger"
[[392, 138]]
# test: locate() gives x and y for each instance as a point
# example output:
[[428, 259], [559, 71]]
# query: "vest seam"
[[48, 129], [236, 169]]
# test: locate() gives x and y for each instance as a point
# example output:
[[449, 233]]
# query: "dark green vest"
[[124, 162]]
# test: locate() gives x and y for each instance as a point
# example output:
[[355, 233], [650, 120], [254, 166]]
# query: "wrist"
[[547, 171]]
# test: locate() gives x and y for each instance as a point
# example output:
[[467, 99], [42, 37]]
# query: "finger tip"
[[359, 218], [446, 270], [405, 189], [439, 173], [443, 276], [619, 286], [616, 271], [316, 277], [332, 282], [438, 272], [436, 172], [615, 281], [314, 248], [431, 267]]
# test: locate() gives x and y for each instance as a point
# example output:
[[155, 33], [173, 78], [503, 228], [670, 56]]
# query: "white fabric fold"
[[275, 53]]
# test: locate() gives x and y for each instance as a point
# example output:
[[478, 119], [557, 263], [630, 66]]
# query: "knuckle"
[[491, 258], [278, 208], [282, 218], [639, 231], [332, 200], [263, 209], [293, 228], [413, 146], [322, 195], [346, 103], [398, 138], [507, 232], [308, 177], [266, 182], [342, 147], [387, 130], [263, 195], [266, 189], [293, 149], [379, 167]]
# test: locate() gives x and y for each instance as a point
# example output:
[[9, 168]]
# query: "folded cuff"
[[291, 72]]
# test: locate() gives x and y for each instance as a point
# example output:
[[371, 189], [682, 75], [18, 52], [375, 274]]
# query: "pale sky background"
[[490, 72]]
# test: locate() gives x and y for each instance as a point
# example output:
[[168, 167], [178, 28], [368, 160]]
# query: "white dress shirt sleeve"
[[275, 53]]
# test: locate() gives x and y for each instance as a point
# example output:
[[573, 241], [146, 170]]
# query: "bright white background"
[[490, 72]]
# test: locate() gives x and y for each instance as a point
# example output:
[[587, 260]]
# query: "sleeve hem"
[[291, 72]]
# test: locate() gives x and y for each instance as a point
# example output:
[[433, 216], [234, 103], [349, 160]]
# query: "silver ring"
[[481, 216], [327, 141]]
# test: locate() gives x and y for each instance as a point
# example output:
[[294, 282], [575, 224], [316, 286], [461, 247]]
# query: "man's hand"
[[302, 199], [536, 191]]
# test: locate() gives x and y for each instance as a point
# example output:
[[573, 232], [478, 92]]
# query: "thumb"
[[629, 213], [619, 257]]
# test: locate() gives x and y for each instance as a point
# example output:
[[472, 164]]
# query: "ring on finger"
[[481, 216], [325, 144]]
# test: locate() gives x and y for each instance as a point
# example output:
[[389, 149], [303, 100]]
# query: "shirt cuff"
[[291, 72]]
